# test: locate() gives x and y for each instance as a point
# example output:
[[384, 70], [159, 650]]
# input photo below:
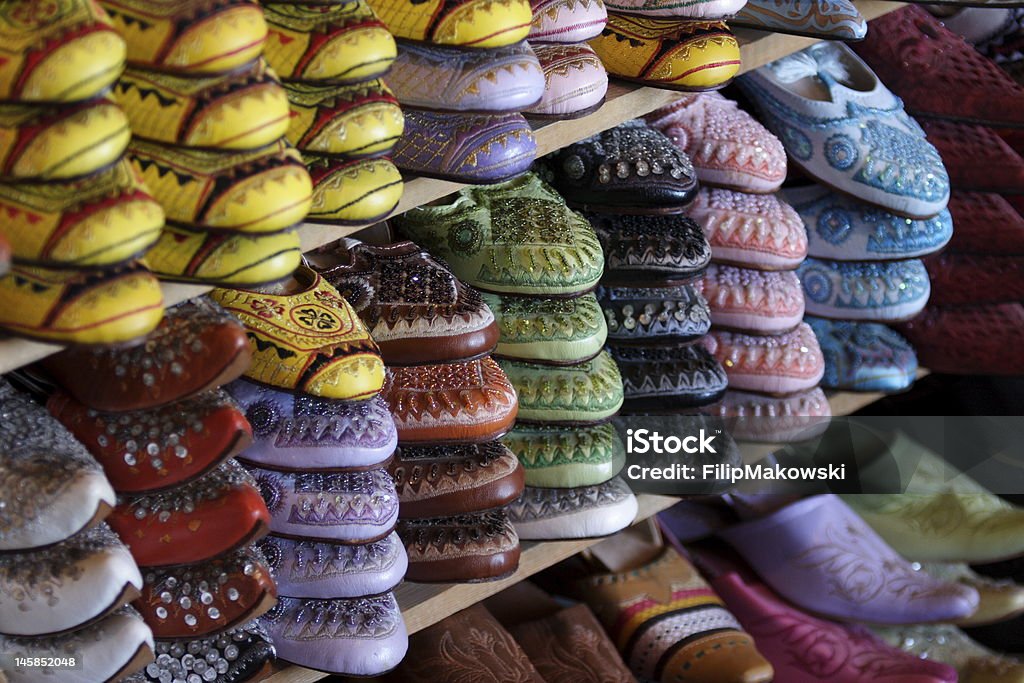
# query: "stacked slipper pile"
[[208, 119], [64, 575], [673, 44], [975, 312], [757, 240], [537, 261], [575, 80], [633, 183], [76, 217], [463, 75], [155, 418], [344, 119], [450, 401], [879, 205], [322, 439]]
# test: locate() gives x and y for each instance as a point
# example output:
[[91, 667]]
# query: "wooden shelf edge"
[[624, 102]]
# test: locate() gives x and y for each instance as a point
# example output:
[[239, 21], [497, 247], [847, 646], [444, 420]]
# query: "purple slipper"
[[442, 78], [353, 637], [822, 557], [466, 148], [297, 432], [338, 507], [308, 569]]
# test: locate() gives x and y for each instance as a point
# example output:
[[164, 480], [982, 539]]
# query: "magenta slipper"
[[805, 649]]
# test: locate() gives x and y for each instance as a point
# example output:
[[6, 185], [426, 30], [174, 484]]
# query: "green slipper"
[[516, 237], [555, 457], [558, 331], [580, 394]]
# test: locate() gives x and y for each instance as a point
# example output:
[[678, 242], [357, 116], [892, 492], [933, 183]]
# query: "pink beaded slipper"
[[752, 300], [753, 230], [780, 364], [727, 145]]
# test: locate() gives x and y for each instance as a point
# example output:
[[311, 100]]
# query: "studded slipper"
[[196, 347], [208, 598], [159, 448], [67, 586], [57, 488], [415, 308], [208, 517]]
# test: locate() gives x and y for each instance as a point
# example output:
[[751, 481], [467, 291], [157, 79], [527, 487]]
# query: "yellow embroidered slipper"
[[97, 221], [362, 119], [305, 337], [465, 23], [353, 191], [262, 191], [80, 307], [189, 36], [668, 53], [227, 259], [244, 109], [341, 43], [60, 141], [57, 51]]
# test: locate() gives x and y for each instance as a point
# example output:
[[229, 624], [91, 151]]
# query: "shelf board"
[[624, 102]]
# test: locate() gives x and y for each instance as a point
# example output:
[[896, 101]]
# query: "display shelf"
[[623, 102]]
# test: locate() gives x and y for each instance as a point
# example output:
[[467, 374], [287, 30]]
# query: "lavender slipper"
[[297, 432], [338, 507], [309, 569], [355, 637], [821, 556]]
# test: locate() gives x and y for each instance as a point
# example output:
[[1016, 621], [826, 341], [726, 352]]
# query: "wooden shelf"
[[623, 102]]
